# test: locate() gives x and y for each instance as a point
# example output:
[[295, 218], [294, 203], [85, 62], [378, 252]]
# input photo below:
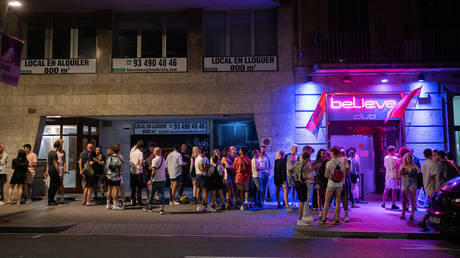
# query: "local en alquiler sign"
[[240, 63], [149, 65], [357, 107], [186, 127], [58, 66]]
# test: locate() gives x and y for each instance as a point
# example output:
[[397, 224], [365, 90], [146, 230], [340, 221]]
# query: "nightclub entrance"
[[357, 121]]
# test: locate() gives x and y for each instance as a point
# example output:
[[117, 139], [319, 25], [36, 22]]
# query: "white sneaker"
[[199, 208], [302, 223], [162, 213], [108, 206], [347, 219], [28, 201], [308, 219], [2, 203], [211, 209], [116, 207], [176, 203]]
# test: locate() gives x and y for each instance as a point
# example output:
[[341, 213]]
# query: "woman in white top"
[[256, 176], [196, 193]]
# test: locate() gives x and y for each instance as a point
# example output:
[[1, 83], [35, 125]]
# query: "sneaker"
[[116, 207], [279, 206], [394, 207], [321, 222], [171, 203], [301, 223], [347, 219], [199, 208], [2, 203], [212, 209], [176, 203], [28, 201], [162, 212], [289, 209], [242, 208], [309, 218], [108, 206]]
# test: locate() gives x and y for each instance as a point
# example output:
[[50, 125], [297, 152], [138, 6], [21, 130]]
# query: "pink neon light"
[[362, 103]]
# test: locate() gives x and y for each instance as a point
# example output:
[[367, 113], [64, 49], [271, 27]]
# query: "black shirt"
[[98, 168], [186, 162], [85, 156], [52, 156]]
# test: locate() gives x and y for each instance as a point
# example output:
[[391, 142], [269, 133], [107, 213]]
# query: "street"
[[48, 245]]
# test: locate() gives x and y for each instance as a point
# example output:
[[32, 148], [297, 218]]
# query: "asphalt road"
[[58, 245]]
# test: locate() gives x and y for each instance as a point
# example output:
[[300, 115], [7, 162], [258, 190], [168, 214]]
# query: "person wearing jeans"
[[136, 158], [257, 169], [54, 174], [157, 180], [265, 162]]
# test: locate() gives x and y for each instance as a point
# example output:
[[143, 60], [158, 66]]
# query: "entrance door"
[[365, 149]]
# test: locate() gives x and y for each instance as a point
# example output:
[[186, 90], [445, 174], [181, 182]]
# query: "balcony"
[[359, 49]]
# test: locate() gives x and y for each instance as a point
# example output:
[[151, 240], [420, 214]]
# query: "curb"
[[32, 229], [370, 235]]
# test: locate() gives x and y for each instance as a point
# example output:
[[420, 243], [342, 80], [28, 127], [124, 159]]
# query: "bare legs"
[[10, 193], [328, 198], [214, 197], [393, 196], [286, 195]]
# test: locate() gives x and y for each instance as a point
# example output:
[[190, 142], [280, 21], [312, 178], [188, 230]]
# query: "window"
[[61, 37], [35, 37], [151, 36], [240, 33], [86, 37]]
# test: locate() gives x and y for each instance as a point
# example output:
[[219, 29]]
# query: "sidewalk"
[[368, 221]]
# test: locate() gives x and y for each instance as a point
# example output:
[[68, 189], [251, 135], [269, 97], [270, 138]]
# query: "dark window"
[[215, 34], [348, 15], [240, 34], [126, 42], [152, 34], [265, 33], [61, 37], [176, 36], [35, 37], [87, 37]]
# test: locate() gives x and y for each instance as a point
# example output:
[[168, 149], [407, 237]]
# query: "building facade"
[[231, 73]]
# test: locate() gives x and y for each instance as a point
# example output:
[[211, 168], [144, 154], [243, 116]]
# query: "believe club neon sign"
[[362, 103], [355, 107]]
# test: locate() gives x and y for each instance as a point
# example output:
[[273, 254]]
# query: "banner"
[[316, 118], [188, 127], [240, 63], [58, 66], [10, 61], [149, 65], [398, 110]]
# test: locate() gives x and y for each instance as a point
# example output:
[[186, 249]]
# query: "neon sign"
[[362, 103]]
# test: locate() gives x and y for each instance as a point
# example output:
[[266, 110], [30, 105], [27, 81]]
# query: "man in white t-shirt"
[[174, 165], [157, 180], [136, 158], [201, 168], [291, 159], [392, 181], [430, 174]]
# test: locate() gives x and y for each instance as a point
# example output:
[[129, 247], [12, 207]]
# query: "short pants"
[[113, 183], [203, 181], [242, 186], [30, 177], [178, 179]]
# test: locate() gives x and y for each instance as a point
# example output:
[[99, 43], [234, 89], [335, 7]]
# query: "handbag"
[[88, 170]]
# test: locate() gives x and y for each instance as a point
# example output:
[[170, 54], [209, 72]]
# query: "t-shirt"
[[290, 162], [200, 160], [32, 158], [185, 163], [4, 161], [331, 166], [61, 160], [136, 158], [265, 163], [242, 167], [52, 156], [256, 168], [98, 168], [429, 172], [159, 164], [390, 167], [174, 164], [85, 156]]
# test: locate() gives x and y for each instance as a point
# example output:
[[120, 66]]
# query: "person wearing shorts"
[[30, 175], [409, 171], [174, 165], [114, 166], [201, 168], [392, 181], [243, 171]]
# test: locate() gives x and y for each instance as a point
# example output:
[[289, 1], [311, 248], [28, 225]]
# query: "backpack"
[[337, 175], [114, 164]]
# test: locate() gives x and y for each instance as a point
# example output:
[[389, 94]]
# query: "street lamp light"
[[12, 3]]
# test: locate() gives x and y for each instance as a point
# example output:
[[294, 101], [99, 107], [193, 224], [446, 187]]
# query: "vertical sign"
[[10, 60]]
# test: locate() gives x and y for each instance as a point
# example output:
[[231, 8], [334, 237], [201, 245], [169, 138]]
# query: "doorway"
[[364, 145]]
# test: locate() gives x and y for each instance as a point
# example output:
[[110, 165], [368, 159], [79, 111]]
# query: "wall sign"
[[149, 65], [58, 66], [240, 63], [188, 127], [359, 107]]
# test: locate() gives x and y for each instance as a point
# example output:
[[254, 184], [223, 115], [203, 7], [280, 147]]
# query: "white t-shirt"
[[290, 163], [174, 164], [429, 169], [200, 160], [4, 160], [257, 169], [331, 165], [159, 164], [136, 157], [390, 167]]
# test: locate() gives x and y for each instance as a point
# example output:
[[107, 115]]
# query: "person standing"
[[216, 182], [280, 176], [354, 177], [265, 163], [157, 181], [446, 170], [30, 175], [304, 176], [174, 165], [149, 156], [99, 161], [429, 172], [54, 173], [335, 172], [320, 180], [257, 169], [136, 160], [346, 186], [195, 189], [227, 162], [62, 168], [242, 166], [409, 172], [185, 169], [3, 174], [114, 166], [392, 181], [290, 162], [122, 184], [87, 160], [201, 168], [20, 167]]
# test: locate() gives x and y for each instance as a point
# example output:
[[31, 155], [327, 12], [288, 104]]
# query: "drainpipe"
[[299, 31]]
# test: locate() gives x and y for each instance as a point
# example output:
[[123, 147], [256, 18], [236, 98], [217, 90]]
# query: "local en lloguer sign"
[[240, 63], [360, 107]]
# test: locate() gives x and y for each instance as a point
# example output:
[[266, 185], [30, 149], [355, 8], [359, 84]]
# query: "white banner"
[[58, 66], [240, 63], [149, 65], [191, 127]]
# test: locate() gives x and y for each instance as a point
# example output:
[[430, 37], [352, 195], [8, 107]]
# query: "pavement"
[[71, 218]]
